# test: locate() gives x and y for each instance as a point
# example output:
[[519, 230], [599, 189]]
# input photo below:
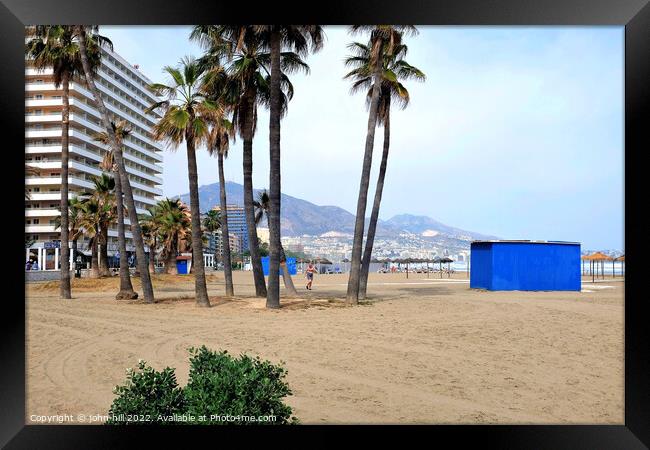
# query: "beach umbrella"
[[447, 260], [595, 258], [620, 259]]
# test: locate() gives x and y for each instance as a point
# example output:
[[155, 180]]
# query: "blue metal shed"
[[291, 266], [525, 265]]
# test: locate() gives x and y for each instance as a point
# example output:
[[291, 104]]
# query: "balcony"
[[40, 229], [74, 102], [76, 149], [42, 212], [77, 134]]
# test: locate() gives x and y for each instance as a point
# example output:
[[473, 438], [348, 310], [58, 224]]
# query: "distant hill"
[[428, 227], [300, 217]]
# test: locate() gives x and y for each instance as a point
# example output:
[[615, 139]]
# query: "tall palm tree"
[[299, 39], [222, 131], [149, 226], [218, 144], [212, 224], [186, 117], [75, 212], [103, 194], [54, 47], [95, 42], [91, 217], [383, 39], [247, 69], [394, 70], [263, 207], [121, 131]]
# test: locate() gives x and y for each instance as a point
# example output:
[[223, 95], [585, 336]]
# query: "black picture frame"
[[634, 15]]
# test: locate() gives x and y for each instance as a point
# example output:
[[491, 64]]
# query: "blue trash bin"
[[181, 266]]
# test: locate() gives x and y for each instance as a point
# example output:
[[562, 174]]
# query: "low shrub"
[[221, 389], [221, 385], [147, 396]]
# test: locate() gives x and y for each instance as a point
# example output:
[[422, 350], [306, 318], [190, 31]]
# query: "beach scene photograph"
[[305, 224]]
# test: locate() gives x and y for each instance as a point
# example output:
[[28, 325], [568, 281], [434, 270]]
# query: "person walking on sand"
[[310, 275]]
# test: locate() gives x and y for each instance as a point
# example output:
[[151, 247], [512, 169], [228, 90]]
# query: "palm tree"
[[383, 39], [121, 131], [149, 226], [75, 211], [95, 42], [299, 39], [394, 69], [103, 194], [218, 144], [53, 47], [212, 223], [263, 206], [247, 86], [187, 114], [173, 223], [91, 216], [221, 132]]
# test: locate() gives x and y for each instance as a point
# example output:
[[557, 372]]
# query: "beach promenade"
[[417, 351]]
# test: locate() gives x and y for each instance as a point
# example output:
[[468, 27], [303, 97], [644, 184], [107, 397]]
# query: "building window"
[[39, 97], [36, 221]]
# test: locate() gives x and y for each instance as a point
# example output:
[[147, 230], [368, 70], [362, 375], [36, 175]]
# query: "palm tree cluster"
[[73, 53], [167, 227], [210, 101]]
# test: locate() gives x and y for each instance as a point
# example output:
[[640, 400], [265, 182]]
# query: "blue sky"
[[517, 132]]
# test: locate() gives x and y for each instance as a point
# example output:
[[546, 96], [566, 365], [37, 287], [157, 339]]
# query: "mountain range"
[[299, 217]]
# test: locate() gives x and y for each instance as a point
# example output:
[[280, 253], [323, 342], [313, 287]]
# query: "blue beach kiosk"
[[291, 266], [525, 265]]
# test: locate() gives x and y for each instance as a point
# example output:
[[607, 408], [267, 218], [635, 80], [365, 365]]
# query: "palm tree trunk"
[[126, 287], [152, 262], [170, 260], [74, 250], [355, 263], [65, 289], [286, 276], [273, 295], [374, 216], [249, 209], [94, 260], [200, 286], [136, 231], [104, 270], [225, 235]]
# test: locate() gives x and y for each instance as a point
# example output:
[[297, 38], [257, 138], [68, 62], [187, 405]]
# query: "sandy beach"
[[422, 350]]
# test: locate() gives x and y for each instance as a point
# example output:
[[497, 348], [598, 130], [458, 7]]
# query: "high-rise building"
[[237, 224], [126, 95]]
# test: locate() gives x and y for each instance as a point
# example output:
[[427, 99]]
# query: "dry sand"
[[418, 351]]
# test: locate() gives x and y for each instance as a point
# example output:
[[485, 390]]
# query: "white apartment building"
[[126, 95]]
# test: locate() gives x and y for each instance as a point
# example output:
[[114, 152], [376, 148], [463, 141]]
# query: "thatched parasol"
[[594, 258], [447, 260]]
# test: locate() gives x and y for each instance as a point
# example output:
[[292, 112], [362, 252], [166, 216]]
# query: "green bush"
[[220, 385], [147, 396], [221, 390]]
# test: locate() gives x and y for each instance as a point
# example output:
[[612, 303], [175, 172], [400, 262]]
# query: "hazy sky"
[[517, 131]]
